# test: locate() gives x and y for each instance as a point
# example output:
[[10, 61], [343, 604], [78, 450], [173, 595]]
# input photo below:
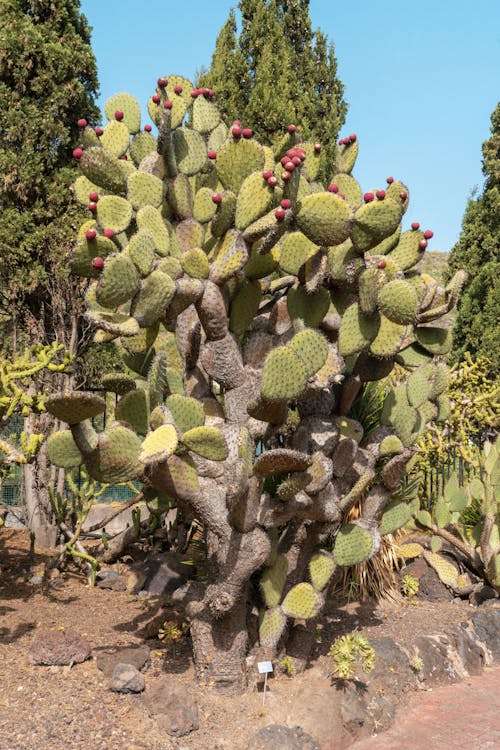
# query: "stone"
[[58, 648], [482, 593], [137, 656], [430, 587], [354, 710], [393, 674], [173, 707], [127, 679], [110, 579], [36, 580], [165, 572], [470, 651], [439, 667], [486, 624], [277, 736]]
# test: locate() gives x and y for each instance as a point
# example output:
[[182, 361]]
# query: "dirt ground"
[[56, 708]]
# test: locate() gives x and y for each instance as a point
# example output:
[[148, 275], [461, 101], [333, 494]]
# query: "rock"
[[393, 674], [165, 572], [354, 710], [127, 679], [471, 652], [440, 661], [430, 587], [110, 579], [481, 594], [486, 624], [14, 518], [58, 647], [276, 736], [137, 656], [36, 580], [172, 706]]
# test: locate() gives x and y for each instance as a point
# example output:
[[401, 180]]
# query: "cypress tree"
[[278, 71], [477, 251]]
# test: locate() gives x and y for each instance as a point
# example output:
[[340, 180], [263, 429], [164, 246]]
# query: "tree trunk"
[[39, 516], [219, 647]]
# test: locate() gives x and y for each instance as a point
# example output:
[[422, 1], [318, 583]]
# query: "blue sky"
[[422, 79]]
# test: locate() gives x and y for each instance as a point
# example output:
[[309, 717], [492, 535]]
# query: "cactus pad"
[[255, 198], [324, 218], [280, 461], [435, 340], [389, 338], [190, 151], [158, 445], [114, 213], [144, 190], [311, 348], [321, 569], [186, 412], [207, 442], [395, 516], [118, 282], [116, 459], [295, 250], [302, 602], [273, 581], [62, 450], [133, 408], [271, 626], [397, 300], [74, 406], [150, 218], [408, 252], [115, 138], [236, 160], [141, 251], [310, 307], [284, 375], [373, 222], [357, 330], [104, 170], [130, 107], [244, 307], [352, 545]]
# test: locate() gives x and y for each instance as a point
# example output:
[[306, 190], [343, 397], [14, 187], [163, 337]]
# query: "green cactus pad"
[[141, 251], [130, 107], [190, 151], [186, 412], [435, 340], [273, 581], [370, 368], [413, 356], [397, 300], [150, 218], [157, 380], [295, 249], [387, 244], [349, 187], [195, 263], [118, 382], [114, 213], [62, 450], [446, 571], [74, 406], [390, 446], [116, 458], [344, 262], [86, 251], [118, 282], [104, 170], [224, 217], [154, 296], [455, 286], [158, 445], [407, 252], [373, 222], [115, 138], [370, 282], [82, 187], [443, 407], [244, 306], [89, 138], [352, 545], [357, 330], [189, 234], [274, 412], [389, 338], [281, 461], [312, 164], [302, 602], [232, 259], [324, 218], [311, 307], [398, 413], [321, 569], [284, 375], [180, 196], [396, 192], [144, 190], [346, 157], [259, 266], [207, 442], [171, 266], [141, 145], [255, 198], [295, 483], [236, 160], [271, 626], [311, 348], [395, 516], [204, 208], [206, 115], [419, 385], [177, 477], [133, 408]]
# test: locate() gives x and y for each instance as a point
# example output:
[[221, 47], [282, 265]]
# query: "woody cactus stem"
[[254, 305]]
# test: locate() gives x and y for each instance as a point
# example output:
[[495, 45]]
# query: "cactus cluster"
[[251, 304]]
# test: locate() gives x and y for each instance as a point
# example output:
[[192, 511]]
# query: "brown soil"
[[58, 708]]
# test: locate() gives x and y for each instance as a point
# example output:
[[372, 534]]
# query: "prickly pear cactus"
[[253, 303]]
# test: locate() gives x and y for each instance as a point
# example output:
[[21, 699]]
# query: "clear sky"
[[421, 77]]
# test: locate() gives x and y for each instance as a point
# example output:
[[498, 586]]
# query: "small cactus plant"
[[350, 651], [252, 304]]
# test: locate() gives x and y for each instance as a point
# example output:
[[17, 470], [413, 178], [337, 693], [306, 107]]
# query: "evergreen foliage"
[[477, 251], [277, 71]]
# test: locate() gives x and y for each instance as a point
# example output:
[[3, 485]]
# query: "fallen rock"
[[393, 674], [110, 579], [173, 707], [127, 679], [430, 587], [439, 667], [137, 656], [165, 572], [277, 736], [486, 624], [58, 648]]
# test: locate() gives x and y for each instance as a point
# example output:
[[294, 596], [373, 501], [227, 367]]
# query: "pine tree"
[[277, 50], [48, 81], [477, 251]]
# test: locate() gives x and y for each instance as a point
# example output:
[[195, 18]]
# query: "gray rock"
[[166, 572], [392, 674], [14, 519], [110, 579], [354, 710], [172, 706], [438, 667], [482, 593], [470, 650], [430, 586], [276, 736], [36, 580], [486, 624], [137, 656], [58, 648], [127, 679]]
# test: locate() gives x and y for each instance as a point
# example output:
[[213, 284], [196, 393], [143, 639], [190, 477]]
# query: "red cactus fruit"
[[267, 174], [289, 166], [167, 104], [162, 82], [415, 226], [333, 187], [217, 198], [273, 181], [236, 131], [109, 233], [280, 214], [99, 131], [156, 98], [382, 264], [286, 203], [92, 206], [286, 176], [93, 197], [91, 234], [317, 147], [78, 153], [352, 138], [404, 195], [212, 154], [177, 89], [98, 264], [390, 180], [247, 132], [292, 128], [118, 115], [428, 234], [148, 128], [368, 197], [380, 194], [423, 244], [82, 122]]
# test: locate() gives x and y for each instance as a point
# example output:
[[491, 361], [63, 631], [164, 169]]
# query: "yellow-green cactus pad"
[[141, 251], [398, 301], [180, 196], [116, 458], [373, 222], [310, 307], [118, 382], [281, 461], [418, 385], [236, 160], [349, 187], [395, 516], [171, 266], [271, 626], [74, 406], [295, 482], [114, 213], [177, 477], [311, 348], [302, 602], [195, 263], [346, 156], [398, 192], [154, 296], [104, 170], [344, 262], [357, 330], [217, 137], [244, 306], [388, 244], [324, 218], [142, 144], [189, 233], [312, 164], [118, 283], [389, 338], [62, 450], [206, 115], [295, 249], [82, 187], [207, 442], [190, 151], [259, 266], [255, 198], [284, 375], [398, 413], [352, 545], [390, 446], [321, 569], [144, 190], [204, 208], [413, 356], [115, 138], [408, 252], [435, 340], [186, 412], [150, 218], [231, 260], [130, 107], [223, 218], [159, 445], [86, 251], [133, 408], [273, 581]]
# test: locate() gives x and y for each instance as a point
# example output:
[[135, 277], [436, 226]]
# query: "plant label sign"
[[264, 667]]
